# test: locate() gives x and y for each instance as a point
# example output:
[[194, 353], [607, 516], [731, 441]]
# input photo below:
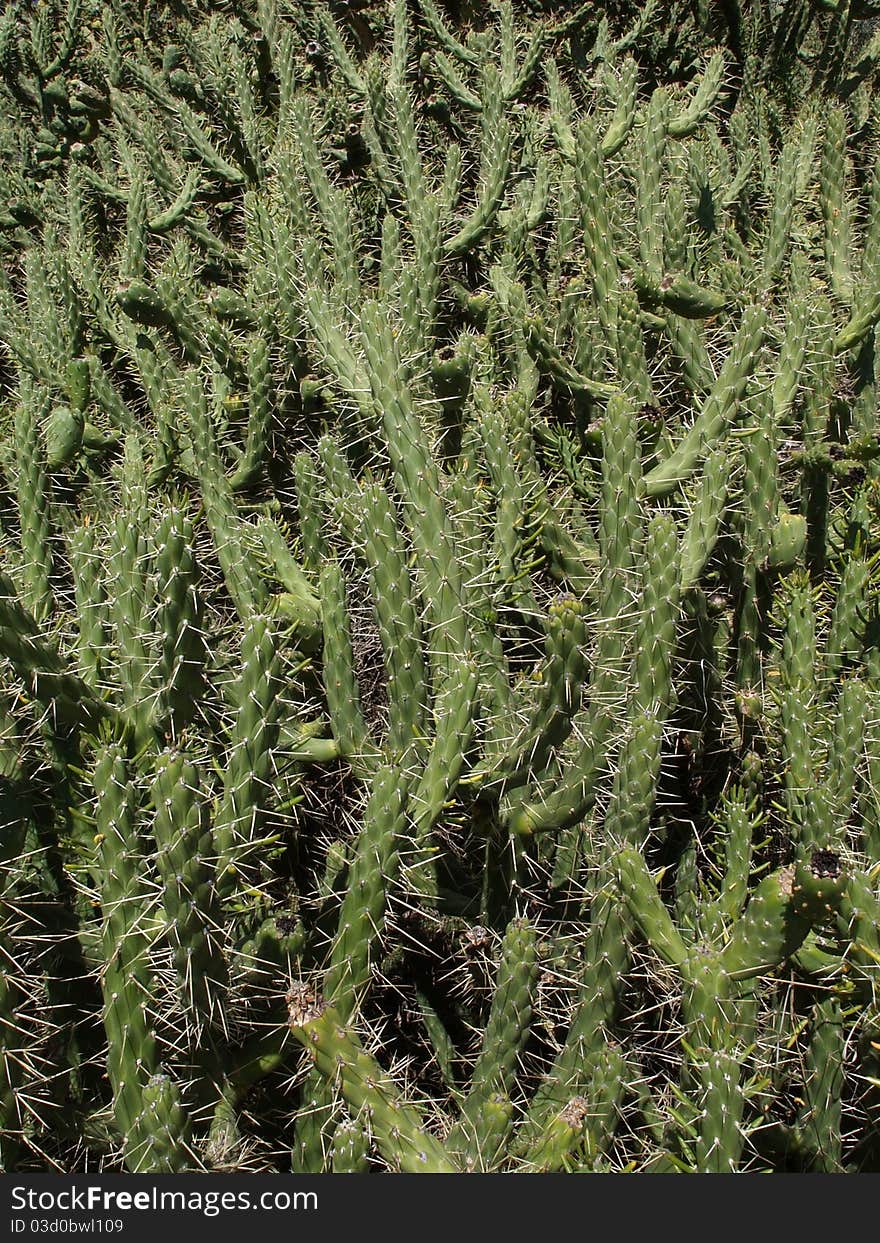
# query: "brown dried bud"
[[304, 1004], [576, 1112]]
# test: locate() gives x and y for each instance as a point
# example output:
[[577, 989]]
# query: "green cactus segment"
[[131, 595], [454, 722], [557, 700], [350, 1152], [844, 758], [298, 602], [91, 604], [451, 369], [788, 540], [718, 411], [561, 1138], [418, 482], [10, 1071], [860, 912], [780, 913], [259, 412], [649, 172], [570, 798], [78, 382], [835, 213], [134, 253], [371, 875], [503, 1041], [145, 306], [127, 983], [620, 518], [166, 1147], [549, 358], [655, 634], [797, 706], [675, 229], [184, 850], [397, 1128], [575, 1136], [817, 1130], [704, 518], [72, 704], [33, 505], [248, 777], [511, 497], [492, 1132], [64, 430], [791, 360], [632, 793], [606, 957], [691, 356], [16, 817], [620, 534], [740, 824], [496, 144], [761, 490], [247, 592], [640, 893], [845, 636], [155, 368], [678, 294], [777, 919], [859, 326], [368, 517], [340, 684], [596, 223], [777, 240], [632, 364], [309, 506], [624, 115], [702, 101], [720, 1142]]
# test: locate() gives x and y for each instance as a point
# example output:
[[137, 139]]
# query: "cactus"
[[438, 610], [777, 919]]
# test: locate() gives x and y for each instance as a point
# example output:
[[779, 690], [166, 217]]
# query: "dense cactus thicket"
[[439, 644]]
